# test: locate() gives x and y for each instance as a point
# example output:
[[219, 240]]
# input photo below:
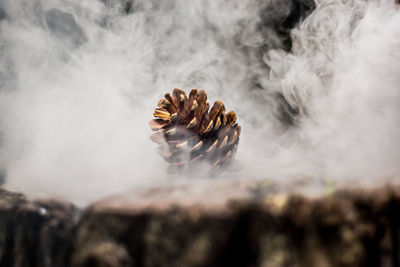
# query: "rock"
[[232, 225], [34, 233], [348, 228]]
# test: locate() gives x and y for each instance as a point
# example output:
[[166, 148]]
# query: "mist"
[[79, 81]]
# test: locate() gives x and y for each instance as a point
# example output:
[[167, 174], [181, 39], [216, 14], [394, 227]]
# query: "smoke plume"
[[79, 81]]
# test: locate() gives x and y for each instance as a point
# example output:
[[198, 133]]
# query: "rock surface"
[[34, 233], [160, 228]]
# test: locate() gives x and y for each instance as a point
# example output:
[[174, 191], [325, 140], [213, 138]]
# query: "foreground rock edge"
[[346, 228]]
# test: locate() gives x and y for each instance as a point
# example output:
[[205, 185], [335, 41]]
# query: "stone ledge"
[[345, 228]]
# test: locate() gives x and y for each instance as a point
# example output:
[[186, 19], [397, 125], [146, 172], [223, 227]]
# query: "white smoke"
[[344, 72], [79, 82]]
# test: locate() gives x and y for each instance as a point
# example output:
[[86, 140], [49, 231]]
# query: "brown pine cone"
[[189, 133]]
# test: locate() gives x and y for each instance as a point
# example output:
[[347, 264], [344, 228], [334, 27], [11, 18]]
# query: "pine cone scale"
[[189, 132]]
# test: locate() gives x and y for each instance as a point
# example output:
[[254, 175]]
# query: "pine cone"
[[188, 133]]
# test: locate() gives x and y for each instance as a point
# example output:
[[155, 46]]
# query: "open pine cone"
[[189, 133]]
